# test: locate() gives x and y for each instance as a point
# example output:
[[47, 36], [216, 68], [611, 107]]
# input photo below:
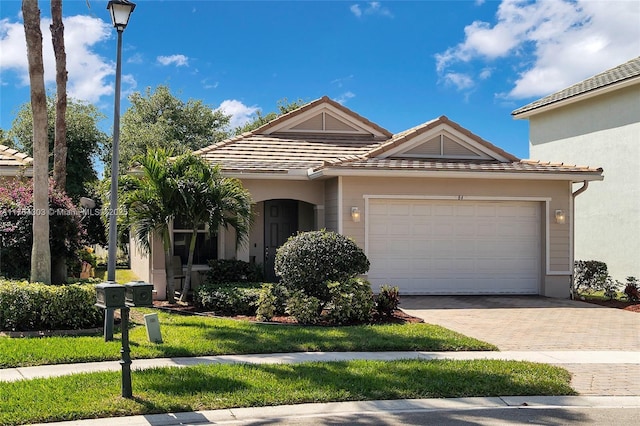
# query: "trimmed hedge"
[[223, 271], [228, 299], [31, 306]]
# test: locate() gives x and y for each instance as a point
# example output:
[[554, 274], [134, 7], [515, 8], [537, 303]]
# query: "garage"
[[454, 246]]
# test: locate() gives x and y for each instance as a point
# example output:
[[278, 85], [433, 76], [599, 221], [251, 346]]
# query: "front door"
[[280, 222]]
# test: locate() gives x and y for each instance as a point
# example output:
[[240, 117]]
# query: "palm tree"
[[208, 198], [151, 202]]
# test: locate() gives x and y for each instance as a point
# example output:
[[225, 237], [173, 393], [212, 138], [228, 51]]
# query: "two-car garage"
[[451, 246]]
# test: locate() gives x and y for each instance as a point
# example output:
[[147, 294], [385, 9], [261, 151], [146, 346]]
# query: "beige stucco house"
[[437, 209], [597, 121]]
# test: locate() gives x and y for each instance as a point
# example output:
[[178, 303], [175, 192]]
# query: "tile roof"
[[277, 153], [10, 157], [522, 166], [626, 71]]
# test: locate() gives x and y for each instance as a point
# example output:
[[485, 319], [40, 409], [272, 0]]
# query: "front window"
[[206, 244]]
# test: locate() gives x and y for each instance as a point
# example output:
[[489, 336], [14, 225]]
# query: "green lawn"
[[123, 276], [221, 386], [196, 336]]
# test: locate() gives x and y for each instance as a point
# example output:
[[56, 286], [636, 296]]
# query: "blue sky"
[[396, 63]]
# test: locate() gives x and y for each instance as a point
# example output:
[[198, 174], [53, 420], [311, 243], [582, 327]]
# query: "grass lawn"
[[123, 276], [222, 386], [196, 336]]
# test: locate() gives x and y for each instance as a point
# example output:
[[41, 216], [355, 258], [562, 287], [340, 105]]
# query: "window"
[[206, 244]]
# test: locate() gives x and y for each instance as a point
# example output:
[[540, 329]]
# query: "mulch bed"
[[398, 317], [618, 304]]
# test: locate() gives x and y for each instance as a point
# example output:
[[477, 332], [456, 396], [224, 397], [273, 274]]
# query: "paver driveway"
[[533, 323]]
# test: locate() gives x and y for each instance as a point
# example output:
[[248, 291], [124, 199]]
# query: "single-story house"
[[436, 208], [597, 121], [14, 163]]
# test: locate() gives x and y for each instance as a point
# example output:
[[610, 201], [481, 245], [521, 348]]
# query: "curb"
[[299, 411]]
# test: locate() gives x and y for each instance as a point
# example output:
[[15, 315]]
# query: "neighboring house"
[[597, 121], [14, 163], [437, 209]]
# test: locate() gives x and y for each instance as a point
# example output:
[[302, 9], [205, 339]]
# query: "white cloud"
[[87, 70], [459, 80], [342, 80], [557, 43], [342, 99], [355, 9], [372, 8], [178, 60], [240, 113]]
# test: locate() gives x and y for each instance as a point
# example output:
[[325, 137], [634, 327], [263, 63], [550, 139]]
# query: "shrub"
[[228, 299], [631, 290], [272, 301], [590, 275], [351, 301], [230, 271], [31, 306], [305, 309], [388, 300], [309, 260], [611, 287]]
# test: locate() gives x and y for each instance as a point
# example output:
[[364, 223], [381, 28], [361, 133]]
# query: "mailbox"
[[110, 295], [138, 293]]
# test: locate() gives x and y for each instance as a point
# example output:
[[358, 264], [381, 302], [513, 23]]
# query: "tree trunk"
[[60, 144], [187, 278], [41, 251], [168, 265]]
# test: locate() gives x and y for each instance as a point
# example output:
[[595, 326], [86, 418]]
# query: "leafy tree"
[[5, 140], [40, 251], [150, 199], [206, 197], [158, 119], [283, 105], [85, 141]]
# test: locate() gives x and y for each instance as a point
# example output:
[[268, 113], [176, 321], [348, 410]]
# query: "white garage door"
[[454, 247]]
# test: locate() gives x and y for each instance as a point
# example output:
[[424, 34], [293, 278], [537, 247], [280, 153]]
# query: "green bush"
[[228, 299], [309, 260], [272, 301], [351, 301], [25, 306], [590, 275], [632, 290], [388, 300], [305, 309], [231, 271]]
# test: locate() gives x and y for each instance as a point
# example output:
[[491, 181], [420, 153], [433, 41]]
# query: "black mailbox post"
[[111, 296]]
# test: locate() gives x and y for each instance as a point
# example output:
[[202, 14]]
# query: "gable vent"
[[324, 122], [443, 146]]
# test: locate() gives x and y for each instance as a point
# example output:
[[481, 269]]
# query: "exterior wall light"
[[561, 217], [355, 214]]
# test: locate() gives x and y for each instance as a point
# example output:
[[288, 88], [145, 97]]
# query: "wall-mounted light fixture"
[[355, 214], [561, 217]]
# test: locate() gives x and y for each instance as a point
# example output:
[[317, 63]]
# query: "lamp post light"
[[120, 11]]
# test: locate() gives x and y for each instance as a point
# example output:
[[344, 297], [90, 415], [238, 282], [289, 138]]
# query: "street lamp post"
[[120, 11]]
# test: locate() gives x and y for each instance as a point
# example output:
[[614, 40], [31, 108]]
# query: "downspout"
[[585, 185]]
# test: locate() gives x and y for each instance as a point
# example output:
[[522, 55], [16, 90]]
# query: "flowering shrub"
[[66, 232], [309, 260], [351, 301], [31, 306]]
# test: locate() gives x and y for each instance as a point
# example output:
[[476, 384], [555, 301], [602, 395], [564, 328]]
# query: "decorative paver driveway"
[[533, 323]]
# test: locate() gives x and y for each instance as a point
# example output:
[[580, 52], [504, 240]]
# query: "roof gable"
[[323, 117], [12, 161], [440, 139]]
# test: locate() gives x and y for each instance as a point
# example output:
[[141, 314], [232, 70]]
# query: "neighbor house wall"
[[603, 131], [555, 284]]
